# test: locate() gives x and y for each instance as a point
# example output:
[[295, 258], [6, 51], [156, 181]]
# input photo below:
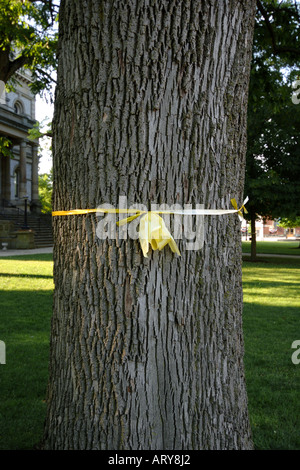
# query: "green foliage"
[[45, 192], [289, 222], [273, 155], [5, 147], [38, 132], [28, 38], [276, 36]]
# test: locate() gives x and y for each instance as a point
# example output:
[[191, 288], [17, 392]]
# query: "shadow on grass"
[[24, 380], [36, 276], [25, 329], [24, 311], [272, 260], [276, 284], [35, 257]]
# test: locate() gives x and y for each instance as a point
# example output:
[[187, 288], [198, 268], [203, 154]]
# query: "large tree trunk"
[[147, 353]]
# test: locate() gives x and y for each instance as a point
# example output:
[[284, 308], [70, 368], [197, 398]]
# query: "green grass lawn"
[[26, 287], [271, 324], [279, 248]]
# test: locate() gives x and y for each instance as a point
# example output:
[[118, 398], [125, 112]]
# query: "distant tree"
[[45, 191], [28, 38], [289, 223], [273, 156]]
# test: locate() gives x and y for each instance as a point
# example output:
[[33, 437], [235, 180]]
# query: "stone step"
[[40, 224]]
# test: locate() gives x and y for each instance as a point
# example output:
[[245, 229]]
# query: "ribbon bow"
[[153, 231], [241, 209]]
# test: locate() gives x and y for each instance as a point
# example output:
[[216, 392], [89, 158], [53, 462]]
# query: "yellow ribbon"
[[152, 228], [242, 208]]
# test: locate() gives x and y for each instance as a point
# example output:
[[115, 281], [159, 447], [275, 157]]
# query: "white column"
[[23, 174], [35, 174], [35, 201]]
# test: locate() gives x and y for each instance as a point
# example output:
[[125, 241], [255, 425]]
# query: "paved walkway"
[[269, 255], [25, 252], [4, 253]]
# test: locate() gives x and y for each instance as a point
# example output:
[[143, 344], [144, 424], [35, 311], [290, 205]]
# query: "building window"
[[18, 107], [17, 182]]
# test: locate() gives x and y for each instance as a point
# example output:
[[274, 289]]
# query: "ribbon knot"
[[241, 209]]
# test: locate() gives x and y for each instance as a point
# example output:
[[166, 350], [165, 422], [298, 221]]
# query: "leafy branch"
[[37, 133], [278, 49]]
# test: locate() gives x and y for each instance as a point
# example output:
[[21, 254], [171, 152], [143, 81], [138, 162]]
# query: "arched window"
[[17, 182], [18, 107]]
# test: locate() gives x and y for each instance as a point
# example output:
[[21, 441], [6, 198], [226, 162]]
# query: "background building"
[[19, 174], [269, 230], [21, 223]]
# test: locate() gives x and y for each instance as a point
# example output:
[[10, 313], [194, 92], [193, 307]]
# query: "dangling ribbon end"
[[234, 203], [127, 220], [174, 247]]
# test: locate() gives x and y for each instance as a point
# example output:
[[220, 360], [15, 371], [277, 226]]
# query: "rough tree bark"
[[151, 104]]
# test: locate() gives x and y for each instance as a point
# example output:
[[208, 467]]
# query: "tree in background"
[[28, 38], [45, 192], [273, 155], [289, 223]]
